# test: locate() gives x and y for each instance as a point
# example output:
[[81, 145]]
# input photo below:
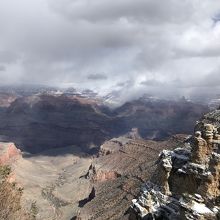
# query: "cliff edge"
[[186, 183]]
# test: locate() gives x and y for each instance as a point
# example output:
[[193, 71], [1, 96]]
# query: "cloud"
[[8, 57], [147, 11], [2, 68], [211, 81], [142, 45], [97, 76], [216, 18], [152, 82]]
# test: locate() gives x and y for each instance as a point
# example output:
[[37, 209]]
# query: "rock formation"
[[8, 153], [118, 173], [11, 192], [186, 183], [40, 121]]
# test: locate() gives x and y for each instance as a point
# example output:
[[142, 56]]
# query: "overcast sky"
[[133, 46]]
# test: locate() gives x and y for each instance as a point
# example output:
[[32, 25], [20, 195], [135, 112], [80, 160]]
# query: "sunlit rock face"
[[186, 183], [8, 153]]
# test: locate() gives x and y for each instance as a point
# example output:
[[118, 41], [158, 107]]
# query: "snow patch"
[[201, 208]]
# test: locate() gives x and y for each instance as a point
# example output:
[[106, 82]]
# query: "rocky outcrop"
[[6, 99], [102, 176], [118, 175], [116, 144], [186, 183], [8, 153], [10, 191]]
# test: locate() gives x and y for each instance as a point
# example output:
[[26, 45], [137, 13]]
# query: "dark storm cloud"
[[143, 10], [128, 83], [97, 76], [216, 18], [143, 45]]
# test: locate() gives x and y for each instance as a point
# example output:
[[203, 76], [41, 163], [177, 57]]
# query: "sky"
[[129, 47]]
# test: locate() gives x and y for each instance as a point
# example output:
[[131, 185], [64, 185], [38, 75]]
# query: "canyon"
[[72, 157], [69, 184], [41, 121]]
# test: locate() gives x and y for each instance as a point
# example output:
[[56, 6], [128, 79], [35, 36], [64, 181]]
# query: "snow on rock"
[[186, 182]]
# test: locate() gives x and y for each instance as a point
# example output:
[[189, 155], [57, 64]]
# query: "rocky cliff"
[[10, 191], [43, 121], [123, 165], [186, 183], [8, 153]]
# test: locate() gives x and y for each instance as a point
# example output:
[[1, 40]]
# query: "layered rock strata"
[[186, 183]]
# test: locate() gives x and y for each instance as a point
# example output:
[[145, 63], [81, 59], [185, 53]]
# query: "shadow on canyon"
[[43, 123]]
